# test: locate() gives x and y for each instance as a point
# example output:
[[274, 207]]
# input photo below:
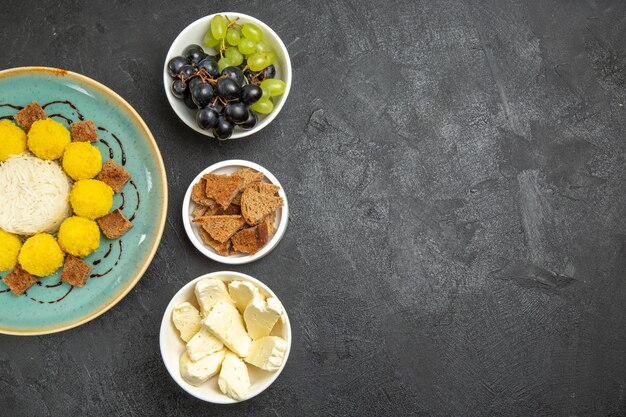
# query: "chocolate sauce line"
[[67, 119], [138, 201], [119, 256], [6, 118], [110, 149], [101, 275], [119, 142], [123, 200], [13, 106], [53, 301], [3, 291], [106, 255], [69, 103]]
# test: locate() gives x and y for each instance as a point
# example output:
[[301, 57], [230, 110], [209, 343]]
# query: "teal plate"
[[51, 306]]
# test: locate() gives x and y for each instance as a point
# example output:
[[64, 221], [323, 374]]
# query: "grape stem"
[[231, 23]]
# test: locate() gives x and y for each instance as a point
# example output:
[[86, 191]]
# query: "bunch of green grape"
[[242, 45]]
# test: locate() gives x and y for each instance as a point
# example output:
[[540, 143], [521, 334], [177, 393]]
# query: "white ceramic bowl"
[[228, 167], [194, 33], [172, 346]]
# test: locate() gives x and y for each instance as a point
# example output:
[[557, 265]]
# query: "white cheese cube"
[[199, 372], [187, 320], [242, 294], [225, 323], [267, 353], [234, 380], [203, 344], [261, 316], [210, 291]]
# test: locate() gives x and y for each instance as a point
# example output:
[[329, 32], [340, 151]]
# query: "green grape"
[[266, 93], [272, 58], [263, 47], [223, 63], [234, 55], [209, 41], [252, 32], [273, 86], [246, 46], [233, 37], [263, 106], [258, 61], [218, 26]]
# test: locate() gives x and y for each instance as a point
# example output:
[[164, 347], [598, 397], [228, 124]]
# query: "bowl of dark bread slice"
[[235, 212]]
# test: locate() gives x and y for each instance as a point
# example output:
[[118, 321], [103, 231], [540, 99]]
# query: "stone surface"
[[456, 176]]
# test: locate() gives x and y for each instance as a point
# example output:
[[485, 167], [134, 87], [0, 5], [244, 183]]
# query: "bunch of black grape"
[[223, 99]]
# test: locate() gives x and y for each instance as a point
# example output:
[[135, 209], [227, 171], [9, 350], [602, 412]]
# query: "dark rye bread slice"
[[200, 211], [264, 187], [220, 228], [223, 188], [249, 176], [114, 225], [255, 205], [19, 281], [113, 175], [251, 240], [219, 247], [269, 221], [198, 195], [84, 131], [29, 115], [75, 272], [232, 209]]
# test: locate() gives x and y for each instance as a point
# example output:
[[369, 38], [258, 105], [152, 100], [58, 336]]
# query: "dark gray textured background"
[[456, 176]]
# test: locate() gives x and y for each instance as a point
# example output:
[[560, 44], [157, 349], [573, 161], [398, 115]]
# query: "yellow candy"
[[82, 161], [91, 199], [9, 249], [12, 140], [47, 139], [41, 255]]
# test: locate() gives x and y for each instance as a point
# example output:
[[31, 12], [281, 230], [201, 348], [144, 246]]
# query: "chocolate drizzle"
[[67, 119], [52, 301], [9, 117], [13, 106], [138, 201], [106, 255], [110, 149], [69, 103], [3, 291], [123, 200], [119, 142], [119, 256]]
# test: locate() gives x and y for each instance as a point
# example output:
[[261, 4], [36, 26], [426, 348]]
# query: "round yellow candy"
[[79, 237], [41, 255], [9, 249], [91, 199], [82, 160], [47, 139], [12, 140]]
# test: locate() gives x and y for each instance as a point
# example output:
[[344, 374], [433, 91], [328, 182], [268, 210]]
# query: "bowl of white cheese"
[[225, 337]]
